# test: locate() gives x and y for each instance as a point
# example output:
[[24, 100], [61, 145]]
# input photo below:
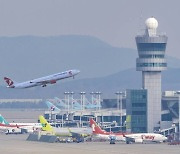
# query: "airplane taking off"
[[102, 134], [43, 81]]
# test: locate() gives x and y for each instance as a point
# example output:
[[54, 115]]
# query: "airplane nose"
[[77, 71], [165, 138]]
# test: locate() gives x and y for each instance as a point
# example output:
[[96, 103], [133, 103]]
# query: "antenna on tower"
[[141, 21]]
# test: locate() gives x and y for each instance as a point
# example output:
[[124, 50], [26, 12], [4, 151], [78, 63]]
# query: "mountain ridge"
[[103, 67]]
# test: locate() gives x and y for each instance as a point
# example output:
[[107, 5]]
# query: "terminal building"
[[125, 113], [136, 110]]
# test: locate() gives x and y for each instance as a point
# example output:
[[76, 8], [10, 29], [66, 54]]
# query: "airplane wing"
[[73, 134], [77, 135], [130, 139], [44, 82]]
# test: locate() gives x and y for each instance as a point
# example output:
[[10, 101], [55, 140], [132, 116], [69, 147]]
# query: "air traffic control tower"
[[151, 50]]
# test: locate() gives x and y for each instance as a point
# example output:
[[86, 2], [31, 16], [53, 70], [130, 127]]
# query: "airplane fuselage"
[[30, 127], [118, 137], [153, 137]]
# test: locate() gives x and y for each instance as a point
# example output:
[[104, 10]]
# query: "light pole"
[[99, 99], [92, 98], [119, 105], [82, 105], [72, 99], [67, 100], [82, 100], [62, 121]]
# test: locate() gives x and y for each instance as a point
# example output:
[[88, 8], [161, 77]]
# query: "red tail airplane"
[[102, 134], [137, 138]]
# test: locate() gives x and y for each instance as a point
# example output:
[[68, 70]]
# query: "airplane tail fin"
[[9, 81], [52, 107], [3, 121], [45, 125], [60, 103], [57, 99], [76, 105], [95, 128]]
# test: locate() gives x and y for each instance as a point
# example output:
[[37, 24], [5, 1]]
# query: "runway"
[[17, 144]]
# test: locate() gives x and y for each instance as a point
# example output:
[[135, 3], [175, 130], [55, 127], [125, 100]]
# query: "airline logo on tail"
[[9, 81], [45, 125], [98, 132], [3, 121], [52, 107], [95, 128]]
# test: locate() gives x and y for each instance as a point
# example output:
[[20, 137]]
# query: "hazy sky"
[[114, 21]]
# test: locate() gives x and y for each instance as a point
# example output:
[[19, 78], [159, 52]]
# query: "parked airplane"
[[89, 105], [102, 134], [68, 132], [14, 128], [61, 104], [52, 107], [76, 105], [145, 137], [6, 127], [128, 138], [43, 81]]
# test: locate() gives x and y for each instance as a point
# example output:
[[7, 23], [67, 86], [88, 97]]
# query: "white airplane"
[[52, 107], [63, 131], [43, 81], [128, 138], [145, 137], [16, 128], [102, 134]]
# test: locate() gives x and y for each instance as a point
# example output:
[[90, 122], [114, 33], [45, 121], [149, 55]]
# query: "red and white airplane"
[[102, 134], [16, 128], [43, 81], [144, 138], [128, 138]]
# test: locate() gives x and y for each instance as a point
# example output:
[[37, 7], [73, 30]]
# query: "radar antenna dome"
[[151, 23]]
